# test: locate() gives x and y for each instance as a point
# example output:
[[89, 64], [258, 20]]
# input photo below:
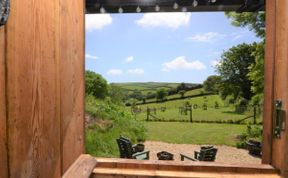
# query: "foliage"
[[212, 83], [95, 85], [234, 68], [137, 94], [161, 94], [182, 93], [252, 132], [116, 94], [101, 140], [255, 21], [256, 74]]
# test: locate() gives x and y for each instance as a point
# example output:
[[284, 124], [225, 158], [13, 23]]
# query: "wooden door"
[[275, 147]]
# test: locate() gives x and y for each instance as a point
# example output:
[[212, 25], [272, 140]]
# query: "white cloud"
[[97, 21], [180, 63], [136, 71], [207, 37], [129, 59], [214, 63], [115, 72], [171, 20], [89, 56]]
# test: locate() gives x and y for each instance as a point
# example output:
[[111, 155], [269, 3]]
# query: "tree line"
[[241, 68]]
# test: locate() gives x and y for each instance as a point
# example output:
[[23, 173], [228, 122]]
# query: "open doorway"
[[162, 106]]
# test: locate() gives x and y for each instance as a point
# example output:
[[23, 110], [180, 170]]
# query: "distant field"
[[223, 113], [146, 87], [194, 133]]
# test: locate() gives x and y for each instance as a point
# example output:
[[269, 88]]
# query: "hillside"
[[146, 87]]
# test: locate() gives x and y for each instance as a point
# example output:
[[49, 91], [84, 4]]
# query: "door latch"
[[279, 118], [4, 11]]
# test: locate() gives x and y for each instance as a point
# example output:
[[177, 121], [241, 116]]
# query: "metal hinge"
[[279, 118], [4, 11]]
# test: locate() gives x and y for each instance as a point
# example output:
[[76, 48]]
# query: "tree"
[[95, 85], [181, 86], [182, 93], [234, 68], [136, 94], [212, 84], [161, 94], [116, 93], [254, 21], [256, 74]]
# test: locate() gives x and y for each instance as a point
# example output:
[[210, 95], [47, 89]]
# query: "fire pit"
[[164, 155], [254, 147], [139, 147]]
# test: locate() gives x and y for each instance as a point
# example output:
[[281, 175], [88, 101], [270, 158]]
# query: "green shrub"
[[252, 132], [101, 141]]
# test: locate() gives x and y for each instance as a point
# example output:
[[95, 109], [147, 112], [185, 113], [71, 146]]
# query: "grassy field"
[[223, 113], [146, 87], [194, 133], [188, 93]]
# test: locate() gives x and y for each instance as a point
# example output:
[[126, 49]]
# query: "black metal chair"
[[205, 154], [127, 150]]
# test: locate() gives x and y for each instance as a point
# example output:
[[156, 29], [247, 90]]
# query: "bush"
[[101, 141], [252, 132]]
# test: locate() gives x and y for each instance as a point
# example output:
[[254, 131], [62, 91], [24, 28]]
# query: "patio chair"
[[205, 154], [127, 150]]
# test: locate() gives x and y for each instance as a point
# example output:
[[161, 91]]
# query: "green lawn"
[[194, 133], [211, 114]]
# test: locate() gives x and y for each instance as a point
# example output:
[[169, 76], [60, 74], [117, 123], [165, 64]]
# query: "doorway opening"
[[142, 82]]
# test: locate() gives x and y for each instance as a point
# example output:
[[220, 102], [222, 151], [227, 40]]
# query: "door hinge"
[[279, 118], [4, 11]]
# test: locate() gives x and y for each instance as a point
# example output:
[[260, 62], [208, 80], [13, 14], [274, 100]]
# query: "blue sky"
[[160, 47]]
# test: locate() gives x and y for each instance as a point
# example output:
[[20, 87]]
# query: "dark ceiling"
[[130, 6]]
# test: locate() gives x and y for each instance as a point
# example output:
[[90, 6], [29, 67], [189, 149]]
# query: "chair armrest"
[[141, 155], [187, 157], [134, 148], [196, 153]]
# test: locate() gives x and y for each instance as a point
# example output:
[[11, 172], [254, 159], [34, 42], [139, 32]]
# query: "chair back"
[[125, 148], [207, 154]]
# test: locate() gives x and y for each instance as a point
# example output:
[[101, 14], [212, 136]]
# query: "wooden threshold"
[[107, 167]]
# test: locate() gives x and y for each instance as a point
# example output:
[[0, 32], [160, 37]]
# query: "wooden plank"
[[81, 168], [33, 114], [119, 168], [3, 130], [182, 166], [269, 82], [281, 78], [72, 80], [129, 173]]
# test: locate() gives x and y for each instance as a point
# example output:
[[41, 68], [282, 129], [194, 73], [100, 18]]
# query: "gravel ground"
[[225, 154]]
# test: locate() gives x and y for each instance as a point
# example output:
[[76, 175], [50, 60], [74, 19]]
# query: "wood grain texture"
[[3, 129], [120, 168], [269, 82], [111, 163], [132, 173], [81, 168], [72, 79], [279, 148], [34, 122]]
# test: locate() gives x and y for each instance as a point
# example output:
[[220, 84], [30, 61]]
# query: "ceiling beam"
[[130, 6]]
